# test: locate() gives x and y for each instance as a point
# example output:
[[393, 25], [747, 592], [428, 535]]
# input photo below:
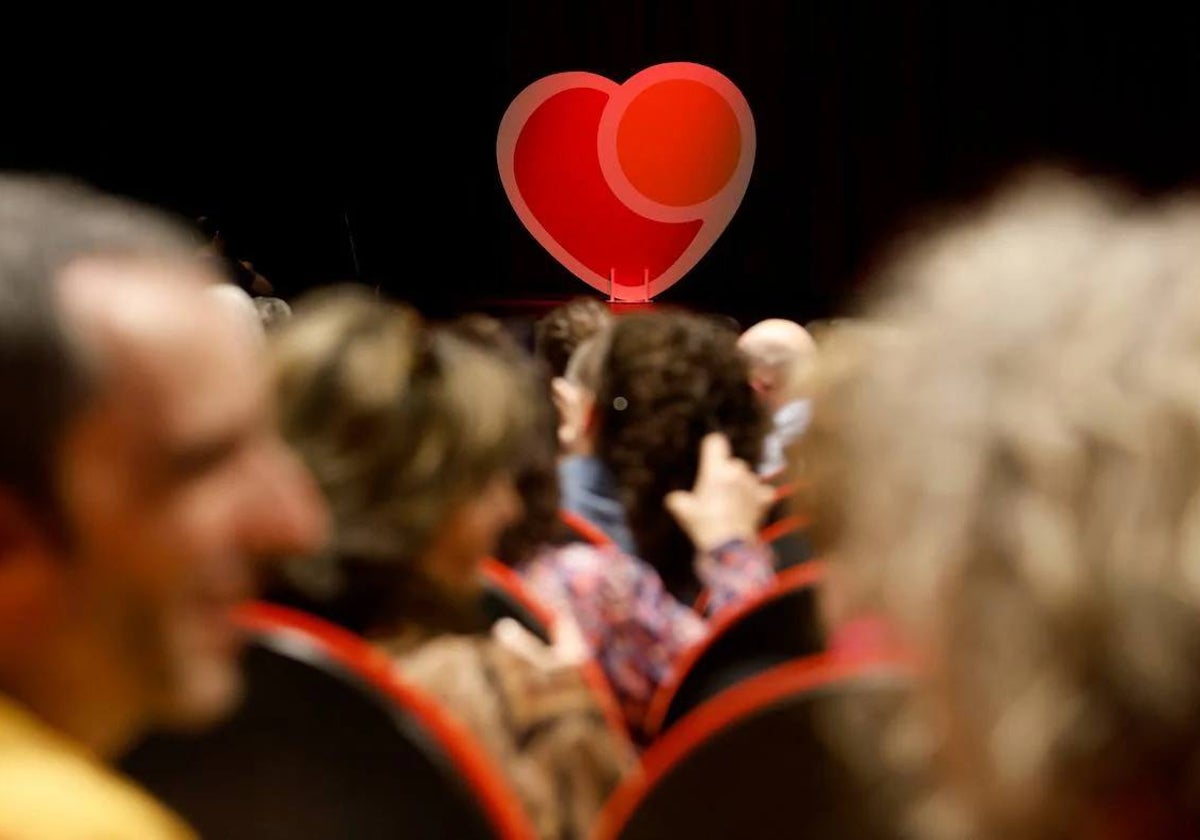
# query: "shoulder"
[[590, 570], [446, 665], [51, 793]]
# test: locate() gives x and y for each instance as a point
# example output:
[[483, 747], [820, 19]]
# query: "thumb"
[[679, 503], [520, 641]]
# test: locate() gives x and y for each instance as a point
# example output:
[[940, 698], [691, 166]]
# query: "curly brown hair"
[[668, 379], [560, 332]]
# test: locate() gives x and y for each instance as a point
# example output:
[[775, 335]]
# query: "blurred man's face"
[[174, 484]]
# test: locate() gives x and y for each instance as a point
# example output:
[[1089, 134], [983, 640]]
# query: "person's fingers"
[[569, 644], [520, 641], [679, 504], [741, 468], [714, 452]]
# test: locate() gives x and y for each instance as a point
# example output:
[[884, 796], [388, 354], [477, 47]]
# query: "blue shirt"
[[589, 490]]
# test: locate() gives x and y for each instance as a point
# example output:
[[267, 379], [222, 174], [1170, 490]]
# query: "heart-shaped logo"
[[628, 186]]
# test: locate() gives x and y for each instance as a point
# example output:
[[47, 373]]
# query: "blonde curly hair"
[[1006, 464]]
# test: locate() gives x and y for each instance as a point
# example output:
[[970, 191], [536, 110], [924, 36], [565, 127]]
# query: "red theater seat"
[[757, 762], [784, 530], [584, 529], [778, 625], [506, 596], [328, 742]]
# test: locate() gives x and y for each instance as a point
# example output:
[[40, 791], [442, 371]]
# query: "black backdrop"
[[867, 114]]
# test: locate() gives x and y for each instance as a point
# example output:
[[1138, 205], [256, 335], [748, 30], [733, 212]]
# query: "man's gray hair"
[[45, 225]]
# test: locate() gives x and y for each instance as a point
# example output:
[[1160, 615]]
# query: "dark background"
[[868, 116]]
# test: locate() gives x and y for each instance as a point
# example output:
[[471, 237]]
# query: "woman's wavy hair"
[[536, 475], [399, 423]]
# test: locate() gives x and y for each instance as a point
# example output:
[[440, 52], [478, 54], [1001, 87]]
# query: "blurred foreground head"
[[1006, 463], [140, 473]]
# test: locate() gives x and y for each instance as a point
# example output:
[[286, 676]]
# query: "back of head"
[[46, 226], [1019, 446], [562, 330], [667, 380], [399, 424]]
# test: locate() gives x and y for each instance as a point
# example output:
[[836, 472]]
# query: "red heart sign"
[[628, 186]]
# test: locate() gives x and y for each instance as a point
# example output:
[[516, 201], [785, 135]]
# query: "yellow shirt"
[[50, 789]]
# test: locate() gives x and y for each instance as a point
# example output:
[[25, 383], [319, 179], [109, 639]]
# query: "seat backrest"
[[506, 596], [761, 761], [784, 530], [788, 540], [327, 742], [779, 625], [585, 530]]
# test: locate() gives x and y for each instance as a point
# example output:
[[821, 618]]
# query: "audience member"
[[415, 436], [1014, 489], [586, 484], [535, 474], [636, 627], [667, 380], [140, 475], [781, 355], [559, 333]]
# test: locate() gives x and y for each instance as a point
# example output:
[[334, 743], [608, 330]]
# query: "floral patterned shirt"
[[636, 628]]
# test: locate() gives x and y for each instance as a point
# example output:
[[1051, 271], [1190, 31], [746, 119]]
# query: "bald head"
[[777, 338], [780, 353]]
